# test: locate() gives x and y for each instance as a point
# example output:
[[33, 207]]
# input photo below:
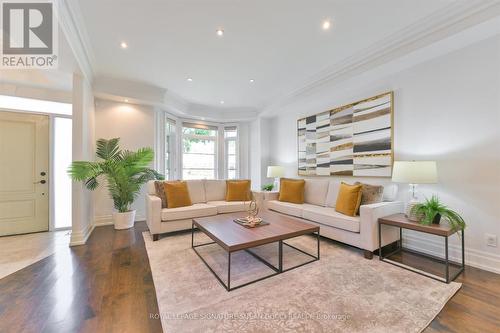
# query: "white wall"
[[83, 149], [135, 126], [259, 148], [446, 109]]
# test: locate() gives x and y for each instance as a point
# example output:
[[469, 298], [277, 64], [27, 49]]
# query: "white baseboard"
[[80, 238], [103, 220], [475, 258]]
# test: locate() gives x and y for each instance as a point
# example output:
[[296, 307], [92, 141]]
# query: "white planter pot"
[[124, 220]]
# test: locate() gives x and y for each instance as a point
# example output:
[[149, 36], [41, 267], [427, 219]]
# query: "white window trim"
[[237, 151], [216, 138], [220, 145]]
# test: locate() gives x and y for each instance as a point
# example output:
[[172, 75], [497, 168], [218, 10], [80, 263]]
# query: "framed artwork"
[[351, 140]]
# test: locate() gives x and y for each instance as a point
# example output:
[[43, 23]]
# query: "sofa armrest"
[[369, 215], [153, 213]]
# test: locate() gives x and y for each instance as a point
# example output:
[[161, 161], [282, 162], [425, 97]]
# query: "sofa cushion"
[[292, 190], [238, 190], [188, 212], [196, 191], [370, 194], [229, 206], [285, 207], [330, 217], [160, 192], [315, 191], [215, 190], [333, 192], [177, 194], [349, 199]]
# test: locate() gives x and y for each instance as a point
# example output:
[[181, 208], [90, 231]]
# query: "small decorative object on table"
[[267, 187], [432, 210], [252, 220]]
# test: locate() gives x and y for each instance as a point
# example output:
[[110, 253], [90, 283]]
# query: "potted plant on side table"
[[124, 171], [432, 210]]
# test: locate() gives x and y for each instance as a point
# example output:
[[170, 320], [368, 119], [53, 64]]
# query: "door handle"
[[40, 182]]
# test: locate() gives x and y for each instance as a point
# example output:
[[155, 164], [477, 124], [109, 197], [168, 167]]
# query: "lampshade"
[[414, 172], [275, 171]]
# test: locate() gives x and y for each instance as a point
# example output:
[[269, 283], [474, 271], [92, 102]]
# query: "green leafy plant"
[[125, 171], [432, 210], [267, 187]]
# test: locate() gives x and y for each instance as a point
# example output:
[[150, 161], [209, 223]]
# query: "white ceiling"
[[279, 43]]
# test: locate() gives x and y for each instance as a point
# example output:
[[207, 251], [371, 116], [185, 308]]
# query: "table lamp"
[[414, 173], [275, 172]]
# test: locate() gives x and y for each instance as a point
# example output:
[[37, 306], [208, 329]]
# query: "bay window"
[[199, 151]]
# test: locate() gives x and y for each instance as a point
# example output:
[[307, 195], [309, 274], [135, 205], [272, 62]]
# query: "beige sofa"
[[360, 231], [208, 198]]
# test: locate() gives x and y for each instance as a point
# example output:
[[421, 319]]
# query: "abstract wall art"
[[351, 140]]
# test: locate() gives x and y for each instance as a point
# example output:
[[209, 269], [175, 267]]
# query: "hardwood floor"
[[106, 286]]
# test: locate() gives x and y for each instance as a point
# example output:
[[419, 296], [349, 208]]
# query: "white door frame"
[[51, 161]]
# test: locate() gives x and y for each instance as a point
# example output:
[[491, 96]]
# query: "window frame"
[[221, 149], [236, 150], [186, 123]]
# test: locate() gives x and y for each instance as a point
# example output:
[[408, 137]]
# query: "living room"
[[251, 166]]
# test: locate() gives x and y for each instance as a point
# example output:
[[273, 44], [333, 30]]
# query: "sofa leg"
[[368, 254], [156, 237]]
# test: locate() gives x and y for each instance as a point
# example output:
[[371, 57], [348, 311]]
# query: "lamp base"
[[408, 207], [276, 184]]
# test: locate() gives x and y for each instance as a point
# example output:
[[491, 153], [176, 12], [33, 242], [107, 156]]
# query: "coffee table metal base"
[[277, 270]]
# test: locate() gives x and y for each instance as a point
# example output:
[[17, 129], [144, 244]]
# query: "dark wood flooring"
[[106, 286]]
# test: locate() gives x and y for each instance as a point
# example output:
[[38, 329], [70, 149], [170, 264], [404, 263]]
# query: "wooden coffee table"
[[233, 237]]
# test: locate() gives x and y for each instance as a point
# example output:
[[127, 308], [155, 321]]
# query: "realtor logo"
[[29, 34]]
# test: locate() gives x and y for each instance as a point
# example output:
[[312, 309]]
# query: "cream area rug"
[[342, 292]]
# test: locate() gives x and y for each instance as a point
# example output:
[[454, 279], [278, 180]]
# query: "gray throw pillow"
[[160, 192], [371, 194]]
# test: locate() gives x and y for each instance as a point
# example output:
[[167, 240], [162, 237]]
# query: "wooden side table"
[[442, 230]]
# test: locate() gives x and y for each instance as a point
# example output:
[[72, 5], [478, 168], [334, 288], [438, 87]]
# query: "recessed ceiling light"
[[326, 24], [221, 102], [252, 80], [220, 32], [189, 79], [126, 100], [123, 45]]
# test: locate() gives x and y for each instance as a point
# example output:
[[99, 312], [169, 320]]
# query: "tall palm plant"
[[125, 171]]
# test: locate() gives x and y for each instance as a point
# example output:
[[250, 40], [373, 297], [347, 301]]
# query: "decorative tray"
[[247, 224]]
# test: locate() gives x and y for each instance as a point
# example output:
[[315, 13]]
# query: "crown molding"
[[73, 27], [142, 93], [448, 21]]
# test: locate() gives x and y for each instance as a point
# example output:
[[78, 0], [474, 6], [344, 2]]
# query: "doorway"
[[24, 173]]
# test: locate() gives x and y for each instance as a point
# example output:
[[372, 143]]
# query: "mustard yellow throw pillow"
[[177, 194], [349, 199], [238, 190], [292, 190]]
